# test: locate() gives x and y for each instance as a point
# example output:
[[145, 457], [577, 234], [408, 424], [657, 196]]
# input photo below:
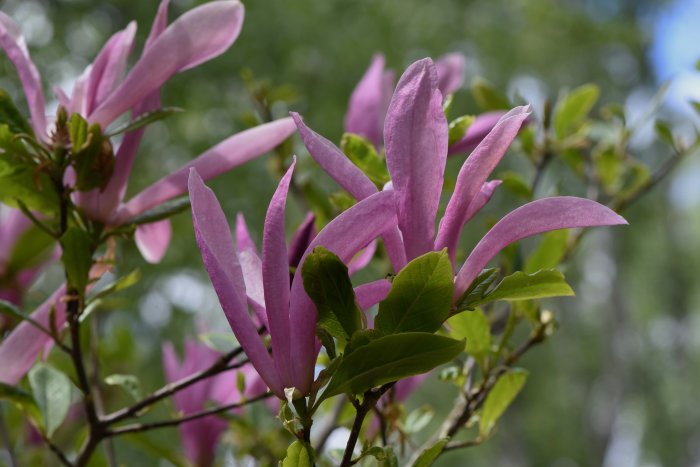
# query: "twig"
[[61, 457], [141, 427], [370, 399]]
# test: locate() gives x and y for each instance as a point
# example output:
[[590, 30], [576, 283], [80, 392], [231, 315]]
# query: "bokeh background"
[[618, 384]]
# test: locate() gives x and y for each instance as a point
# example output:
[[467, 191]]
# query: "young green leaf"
[[458, 128], [143, 120], [474, 327], [522, 286], [121, 283], [23, 181], [501, 396], [420, 296], [327, 282], [478, 289], [487, 97], [430, 455], [573, 108], [93, 160], [390, 358], [52, 392], [549, 253], [162, 211], [11, 116], [77, 256], [299, 454], [363, 154]]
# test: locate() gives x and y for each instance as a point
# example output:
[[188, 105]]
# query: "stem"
[[141, 427], [370, 400], [95, 381]]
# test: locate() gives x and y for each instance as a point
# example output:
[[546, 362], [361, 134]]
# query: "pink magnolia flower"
[[102, 93], [200, 436], [239, 277], [415, 138], [369, 102]]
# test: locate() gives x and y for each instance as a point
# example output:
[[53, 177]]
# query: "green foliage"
[[487, 96], [52, 392], [77, 256], [458, 128], [24, 401], [390, 358], [549, 252], [420, 296], [32, 248], [299, 454], [474, 327], [143, 120], [327, 282], [418, 419], [514, 182], [478, 289], [162, 211], [430, 455], [363, 154], [501, 396], [522, 286], [92, 154], [573, 108], [11, 116], [129, 383]]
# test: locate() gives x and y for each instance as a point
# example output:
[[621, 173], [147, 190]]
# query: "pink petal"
[[543, 215], [14, 45], [363, 258], [473, 174], [477, 131], [345, 235], [301, 239], [153, 239], [415, 134], [197, 36], [368, 103], [450, 70], [275, 270], [20, 350], [252, 276], [370, 294], [230, 153], [243, 239], [160, 22], [221, 263]]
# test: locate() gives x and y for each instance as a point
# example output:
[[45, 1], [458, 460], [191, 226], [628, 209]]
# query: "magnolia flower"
[[370, 100], [102, 93], [241, 276], [200, 436]]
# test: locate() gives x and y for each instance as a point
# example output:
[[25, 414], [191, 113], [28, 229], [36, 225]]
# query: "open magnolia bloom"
[[241, 277], [369, 102], [104, 92]]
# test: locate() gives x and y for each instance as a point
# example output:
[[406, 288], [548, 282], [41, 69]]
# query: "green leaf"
[[363, 154], [162, 211], [327, 282], [418, 419], [52, 392], [143, 120], [478, 289], [390, 358], [474, 327], [121, 283], [549, 253], [514, 182], [522, 286], [32, 248], [24, 401], [77, 131], [430, 455], [129, 383], [299, 455], [487, 97], [609, 168], [420, 296], [19, 180], [11, 116], [77, 256], [573, 108], [93, 160], [501, 396], [458, 128], [664, 132]]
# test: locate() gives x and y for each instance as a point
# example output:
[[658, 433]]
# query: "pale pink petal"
[[153, 239], [345, 235], [275, 271], [476, 132], [543, 215], [405, 387], [20, 350], [368, 104], [252, 276], [484, 196], [473, 174], [301, 239], [415, 134], [197, 36], [450, 70], [221, 262], [243, 239], [14, 45], [362, 258], [230, 153], [160, 23]]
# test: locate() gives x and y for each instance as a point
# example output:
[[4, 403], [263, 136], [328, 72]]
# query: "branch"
[[141, 427]]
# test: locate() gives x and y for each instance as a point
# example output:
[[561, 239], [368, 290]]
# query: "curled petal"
[[197, 36], [221, 262], [243, 239], [275, 271], [153, 239], [14, 45], [543, 215], [368, 103], [476, 132], [473, 174], [345, 235], [415, 134], [301, 239], [230, 153], [450, 70], [362, 259]]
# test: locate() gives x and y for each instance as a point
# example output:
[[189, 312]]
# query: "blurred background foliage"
[[617, 385]]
